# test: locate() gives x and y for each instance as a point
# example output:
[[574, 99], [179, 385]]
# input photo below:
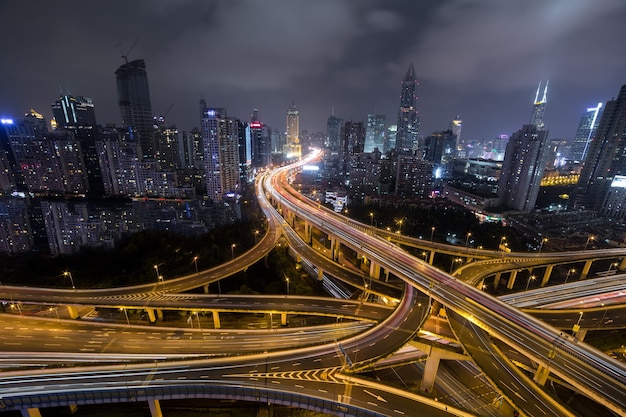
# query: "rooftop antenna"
[[125, 55]]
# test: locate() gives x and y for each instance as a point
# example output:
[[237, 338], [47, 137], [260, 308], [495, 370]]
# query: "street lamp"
[[56, 310], [614, 264], [256, 236], [195, 263], [371, 219], [287, 279], [530, 278], [424, 253], [19, 309], [232, 250], [544, 240], [576, 327], [455, 260], [590, 238], [69, 274], [156, 270], [126, 314], [432, 233], [567, 275], [469, 234]]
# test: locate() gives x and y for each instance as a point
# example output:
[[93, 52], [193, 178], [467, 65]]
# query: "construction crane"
[[125, 55]]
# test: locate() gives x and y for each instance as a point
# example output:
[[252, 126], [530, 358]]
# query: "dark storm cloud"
[[480, 59]]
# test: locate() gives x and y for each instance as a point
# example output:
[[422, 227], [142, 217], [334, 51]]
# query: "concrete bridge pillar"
[[307, 232], [496, 280], [72, 312], [205, 288], [580, 334], [430, 370], [374, 270], [30, 412], [151, 315], [511, 282], [334, 248], [283, 319], [541, 375], [320, 274], [216, 319], [431, 258], [586, 269], [155, 407], [73, 408], [622, 265], [159, 312], [546, 275]]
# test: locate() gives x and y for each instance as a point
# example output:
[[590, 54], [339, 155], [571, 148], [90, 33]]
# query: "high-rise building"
[[408, 119], [352, 143], [77, 114], [71, 112], [260, 142], [522, 169], [220, 135], [292, 148], [333, 134], [135, 107], [375, 132], [605, 159], [586, 129], [525, 160], [539, 107]]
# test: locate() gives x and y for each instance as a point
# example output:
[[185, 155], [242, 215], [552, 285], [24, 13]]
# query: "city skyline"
[[479, 60]]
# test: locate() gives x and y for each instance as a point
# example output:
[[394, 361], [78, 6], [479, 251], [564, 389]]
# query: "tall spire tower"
[[408, 119], [539, 107]]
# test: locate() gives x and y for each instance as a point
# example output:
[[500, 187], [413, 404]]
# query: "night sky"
[[481, 59]]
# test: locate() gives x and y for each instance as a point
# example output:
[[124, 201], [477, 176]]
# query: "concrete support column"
[[155, 407], [283, 319], [546, 275], [580, 335], [159, 312], [205, 288], [496, 280], [334, 248], [586, 269], [216, 319], [73, 408], [541, 375], [431, 258], [151, 315], [307, 232], [374, 270], [320, 274], [511, 282], [622, 265], [30, 412], [72, 312], [430, 370]]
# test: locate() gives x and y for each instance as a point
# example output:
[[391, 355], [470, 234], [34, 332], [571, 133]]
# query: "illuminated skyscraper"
[[293, 148], [586, 129], [72, 112], [408, 119], [605, 160], [135, 106], [539, 107], [525, 160], [220, 136], [375, 132]]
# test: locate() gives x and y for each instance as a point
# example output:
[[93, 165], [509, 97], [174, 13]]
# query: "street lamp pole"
[[256, 236], [69, 274], [126, 314], [287, 279], [195, 263], [567, 275], [469, 234], [530, 278], [232, 250], [371, 220], [544, 240], [590, 238], [432, 233]]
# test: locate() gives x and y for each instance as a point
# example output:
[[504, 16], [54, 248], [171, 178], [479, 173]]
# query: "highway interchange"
[[476, 317]]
